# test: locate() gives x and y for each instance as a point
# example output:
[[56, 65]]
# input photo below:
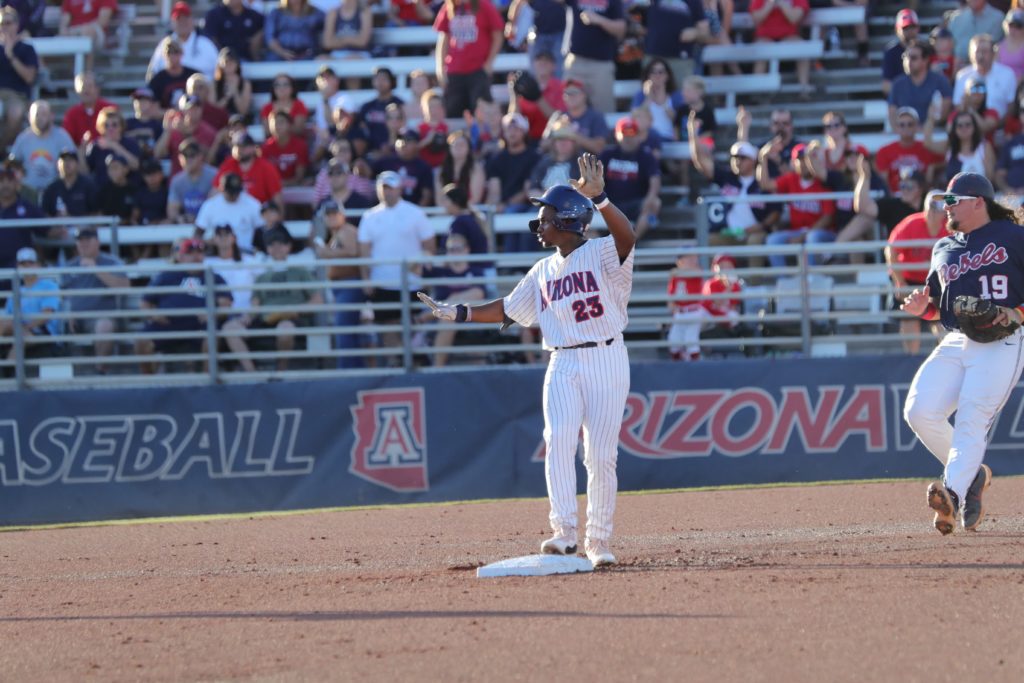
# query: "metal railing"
[[64, 359]]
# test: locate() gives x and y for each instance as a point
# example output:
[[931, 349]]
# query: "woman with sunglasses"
[[975, 100], [837, 141], [284, 97], [660, 95], [982, 257], [965, 147]]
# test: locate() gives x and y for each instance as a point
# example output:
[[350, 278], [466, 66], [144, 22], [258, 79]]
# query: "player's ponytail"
[[998, 212]]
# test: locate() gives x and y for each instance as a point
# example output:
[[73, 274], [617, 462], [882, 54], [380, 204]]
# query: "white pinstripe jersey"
[[576, 299]]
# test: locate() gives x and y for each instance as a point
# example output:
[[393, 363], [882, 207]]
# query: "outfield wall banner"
[[115, 454]]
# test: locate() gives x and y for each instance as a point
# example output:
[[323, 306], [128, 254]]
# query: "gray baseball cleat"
[[973, 511], [943, 501], [559, 545]]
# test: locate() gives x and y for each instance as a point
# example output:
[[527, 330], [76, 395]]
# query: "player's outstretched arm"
[[591, 185], [490, 312]]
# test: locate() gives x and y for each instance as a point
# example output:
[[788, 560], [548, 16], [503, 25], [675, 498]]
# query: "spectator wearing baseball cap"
[[146, 126], [1000, 79], [508, 171], [39, 303], [740, 223], [589, 123], [233, 25], [417, 176], [116, 193], [232, 206], [919, 86], [186, 122], [199, 52], [593, 45], [632, 177], [151, 195], [340, 190], [88, 257], [811, 220], [260, 177], [12, 206], [179, 289], [942, 59], [907, 153], [189, 188], [223, 262], [73, 193], [168, 82]]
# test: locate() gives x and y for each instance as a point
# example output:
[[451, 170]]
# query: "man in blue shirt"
[[907, 29], [19, 66], [919, 86], [232, 24], [595, 31], [632, 177], [13, 207], [39, 302], [674, 29]]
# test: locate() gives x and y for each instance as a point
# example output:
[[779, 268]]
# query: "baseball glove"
[[975, 318], [525, 85]]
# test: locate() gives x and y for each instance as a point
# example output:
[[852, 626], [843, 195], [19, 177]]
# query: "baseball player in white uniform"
[[578, 296]]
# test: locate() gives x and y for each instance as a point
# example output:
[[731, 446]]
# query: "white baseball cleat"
[[559, 545], [598, 553]]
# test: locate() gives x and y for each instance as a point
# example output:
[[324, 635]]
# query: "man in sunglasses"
[[981, 258]]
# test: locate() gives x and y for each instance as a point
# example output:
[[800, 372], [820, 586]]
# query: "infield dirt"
[[818, 583]]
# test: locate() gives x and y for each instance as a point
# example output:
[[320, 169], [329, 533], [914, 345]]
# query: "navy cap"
[[971, 185], [241, 139], [330, 206], [232, 182], [111, 158]]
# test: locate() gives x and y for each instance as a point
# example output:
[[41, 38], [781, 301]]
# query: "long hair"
[[460, 199], [1001, 212], [954, 139], [670, 82], [447, 173]]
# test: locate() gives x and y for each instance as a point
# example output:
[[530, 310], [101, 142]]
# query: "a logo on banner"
[[391, 445]]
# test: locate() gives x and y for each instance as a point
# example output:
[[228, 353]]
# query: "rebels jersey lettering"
[[576, 299], [986, 263]]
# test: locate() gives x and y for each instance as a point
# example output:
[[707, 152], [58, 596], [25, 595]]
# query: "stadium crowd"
[[365, 175]]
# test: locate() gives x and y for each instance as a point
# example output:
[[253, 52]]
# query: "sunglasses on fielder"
[[954, 199]]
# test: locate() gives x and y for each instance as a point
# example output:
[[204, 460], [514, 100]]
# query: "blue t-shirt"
[[152, 205], [591, 124], [81, 199], [228, 30], [446, 292], [627, 175], [374, 120], [468, 226], [987, 263], [892, 61], [666, 19], [32, 306], [191, 294], [417, 176], [548, 17], [905, 94], [1011, 159], [593, 42], [300, 34], [9, 78]]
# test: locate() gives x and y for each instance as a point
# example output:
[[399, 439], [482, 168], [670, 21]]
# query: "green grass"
[[355, 508]]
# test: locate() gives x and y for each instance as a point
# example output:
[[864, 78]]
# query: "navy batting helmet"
[[573, 211]]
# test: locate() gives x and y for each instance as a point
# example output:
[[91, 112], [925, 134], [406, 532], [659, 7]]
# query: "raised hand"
[[591, 182], [916, 302]]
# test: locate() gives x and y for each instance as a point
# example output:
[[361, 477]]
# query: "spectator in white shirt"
[[199, 51], [232, 206], [999, 78]]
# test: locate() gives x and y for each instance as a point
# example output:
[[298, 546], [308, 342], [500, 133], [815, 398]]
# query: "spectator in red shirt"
[[538, 111], [810, 220], [724, 281], [410, 12], [89, 18], [80, 120], [181, 124], [199, 86], [283, 97], [288, 153], [906, 155], [776, 20], [471, 34], [929, 224], [260, 176], [688, 313], [433, 129]]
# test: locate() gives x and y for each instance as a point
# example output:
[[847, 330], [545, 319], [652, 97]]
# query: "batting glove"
[[458, 313]]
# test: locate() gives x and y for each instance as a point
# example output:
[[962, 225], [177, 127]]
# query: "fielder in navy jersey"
[[983, 257], [578, 296]]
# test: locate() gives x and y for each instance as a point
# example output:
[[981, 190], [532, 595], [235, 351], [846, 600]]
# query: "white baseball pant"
[[584, 388], [975, 380]]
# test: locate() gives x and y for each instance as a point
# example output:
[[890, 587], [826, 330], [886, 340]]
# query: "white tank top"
[[577, 299], [974, 162]]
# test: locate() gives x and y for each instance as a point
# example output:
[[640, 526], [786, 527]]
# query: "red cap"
[[798, 151], [906, 17], [626, 127], [191, 245], [720, 258], [181, 9], [574, 83]]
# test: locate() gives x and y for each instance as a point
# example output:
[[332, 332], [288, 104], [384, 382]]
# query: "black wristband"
[[599, 198], [461, 312]]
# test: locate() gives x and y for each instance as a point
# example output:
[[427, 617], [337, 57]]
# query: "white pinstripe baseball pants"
[[584, 388], [973, 379]]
